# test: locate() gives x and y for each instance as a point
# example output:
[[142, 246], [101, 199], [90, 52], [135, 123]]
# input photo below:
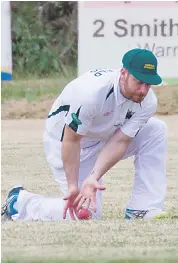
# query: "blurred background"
[[44, 37], [45, 44]]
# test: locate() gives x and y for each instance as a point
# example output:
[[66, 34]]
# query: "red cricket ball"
[[84, 214]]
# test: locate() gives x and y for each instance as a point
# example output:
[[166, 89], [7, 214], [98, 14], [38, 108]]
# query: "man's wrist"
[[94, 175], [72, 185]]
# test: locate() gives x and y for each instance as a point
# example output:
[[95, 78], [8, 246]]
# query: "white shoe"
[[144, 214], [7, 209]]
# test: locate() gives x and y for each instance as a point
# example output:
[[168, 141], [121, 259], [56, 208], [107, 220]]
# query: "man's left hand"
[[87, 195]]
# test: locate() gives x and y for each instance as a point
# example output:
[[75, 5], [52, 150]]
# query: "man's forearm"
[[112, 153], [71, 161]]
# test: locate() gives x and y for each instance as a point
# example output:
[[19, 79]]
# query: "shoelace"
[[3, 209]]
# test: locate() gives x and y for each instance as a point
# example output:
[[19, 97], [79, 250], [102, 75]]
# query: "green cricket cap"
[[142, 64]]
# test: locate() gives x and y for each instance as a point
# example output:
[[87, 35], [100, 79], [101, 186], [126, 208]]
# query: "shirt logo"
[[76, 119], [129, 114]]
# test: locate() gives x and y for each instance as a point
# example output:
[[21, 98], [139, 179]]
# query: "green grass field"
[[33, 89], [112, 239], [169, 81]]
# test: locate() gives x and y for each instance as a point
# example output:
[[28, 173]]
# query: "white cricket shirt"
[[93, 106]]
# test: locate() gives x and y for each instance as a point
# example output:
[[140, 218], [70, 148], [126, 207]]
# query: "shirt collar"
[[119, 97]]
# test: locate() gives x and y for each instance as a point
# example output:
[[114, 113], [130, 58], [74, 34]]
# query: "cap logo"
[[149, 66]]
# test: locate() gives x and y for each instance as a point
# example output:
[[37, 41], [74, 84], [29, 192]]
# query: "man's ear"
[[124, 73]]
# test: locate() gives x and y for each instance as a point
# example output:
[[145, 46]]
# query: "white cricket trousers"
[[149, 148]]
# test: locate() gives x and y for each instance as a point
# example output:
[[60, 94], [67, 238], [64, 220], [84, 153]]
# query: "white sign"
[[6, 52], [108, 29]]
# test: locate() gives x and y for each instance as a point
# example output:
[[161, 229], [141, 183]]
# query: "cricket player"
[[99, 119]]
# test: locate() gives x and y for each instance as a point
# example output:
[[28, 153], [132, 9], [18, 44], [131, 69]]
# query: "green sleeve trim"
[[75, 120], [60, 109]]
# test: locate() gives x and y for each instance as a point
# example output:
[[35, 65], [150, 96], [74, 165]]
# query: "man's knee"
[[156, 127]]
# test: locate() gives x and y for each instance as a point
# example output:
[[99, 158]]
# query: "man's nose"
[[144, 88]]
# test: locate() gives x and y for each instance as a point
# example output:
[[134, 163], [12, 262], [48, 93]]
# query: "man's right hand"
[[69, 204]]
